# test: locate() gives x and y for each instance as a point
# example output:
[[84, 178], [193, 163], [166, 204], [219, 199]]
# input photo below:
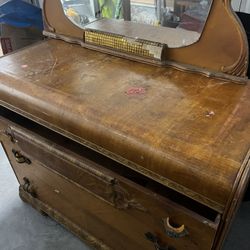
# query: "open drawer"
[[120, 207]]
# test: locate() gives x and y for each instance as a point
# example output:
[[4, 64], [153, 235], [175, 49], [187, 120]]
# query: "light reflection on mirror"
[[186, 17]]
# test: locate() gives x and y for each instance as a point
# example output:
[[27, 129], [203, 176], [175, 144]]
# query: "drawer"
[[103, 197]]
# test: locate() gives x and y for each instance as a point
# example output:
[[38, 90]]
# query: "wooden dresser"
[[126, 155]]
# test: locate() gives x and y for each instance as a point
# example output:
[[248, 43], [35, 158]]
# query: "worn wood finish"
[[81, 203], [45, 210], [54, 187], [220, 49], [184, 130], [110, 144]]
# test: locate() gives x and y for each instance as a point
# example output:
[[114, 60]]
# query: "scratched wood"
[[184, 130]]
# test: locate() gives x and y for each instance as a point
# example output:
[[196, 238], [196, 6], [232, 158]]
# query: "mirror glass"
[[177, 23]]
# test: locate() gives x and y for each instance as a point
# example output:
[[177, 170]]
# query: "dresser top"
[[185, 130]]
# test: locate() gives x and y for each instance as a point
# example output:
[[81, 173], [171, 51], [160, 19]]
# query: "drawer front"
[[105, 204]]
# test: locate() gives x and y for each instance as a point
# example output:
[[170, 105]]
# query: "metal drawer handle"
[[28, 187], [20, 158], [157, 242], [174, 231]]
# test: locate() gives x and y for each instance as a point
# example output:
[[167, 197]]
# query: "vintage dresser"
[[132, 140]]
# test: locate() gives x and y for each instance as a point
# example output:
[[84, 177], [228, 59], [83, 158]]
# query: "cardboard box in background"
[[13, 38]]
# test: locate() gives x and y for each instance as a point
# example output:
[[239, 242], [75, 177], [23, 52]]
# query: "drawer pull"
[[173, 231], [27, 187], [20, 158], [157, 242], [122, 199], [8, 132], [111, 190]]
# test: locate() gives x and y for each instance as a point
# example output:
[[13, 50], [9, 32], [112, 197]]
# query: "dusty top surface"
[[188, 131]]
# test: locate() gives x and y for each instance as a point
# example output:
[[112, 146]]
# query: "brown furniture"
[[126, 155], [219, 52]]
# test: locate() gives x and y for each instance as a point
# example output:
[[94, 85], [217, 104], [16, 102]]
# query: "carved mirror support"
[[215, 45]]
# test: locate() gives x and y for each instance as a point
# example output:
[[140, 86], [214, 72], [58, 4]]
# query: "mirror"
[[177, 23]]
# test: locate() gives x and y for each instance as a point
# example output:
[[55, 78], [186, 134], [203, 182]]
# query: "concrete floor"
[[23, 228]]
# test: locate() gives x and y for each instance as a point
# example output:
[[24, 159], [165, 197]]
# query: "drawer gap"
[[111, 165]]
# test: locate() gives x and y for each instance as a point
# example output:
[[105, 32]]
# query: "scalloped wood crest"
[[222, 50]]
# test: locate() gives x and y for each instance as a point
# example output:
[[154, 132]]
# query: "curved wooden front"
[[82, 193], [183, 130]]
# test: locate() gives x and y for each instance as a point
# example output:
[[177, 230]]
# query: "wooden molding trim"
[[222, 47]]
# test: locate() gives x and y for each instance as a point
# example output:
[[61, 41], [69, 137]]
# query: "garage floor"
[[23, 228]]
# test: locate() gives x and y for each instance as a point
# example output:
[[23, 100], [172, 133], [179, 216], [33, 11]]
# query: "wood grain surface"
[[71, 192], [189, 132]]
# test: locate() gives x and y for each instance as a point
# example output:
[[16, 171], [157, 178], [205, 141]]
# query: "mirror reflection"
[[186, 18]]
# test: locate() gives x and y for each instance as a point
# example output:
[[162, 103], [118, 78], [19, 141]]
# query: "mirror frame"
[[220, 52]]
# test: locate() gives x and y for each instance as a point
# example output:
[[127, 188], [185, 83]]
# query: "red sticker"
[[136, 91]]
